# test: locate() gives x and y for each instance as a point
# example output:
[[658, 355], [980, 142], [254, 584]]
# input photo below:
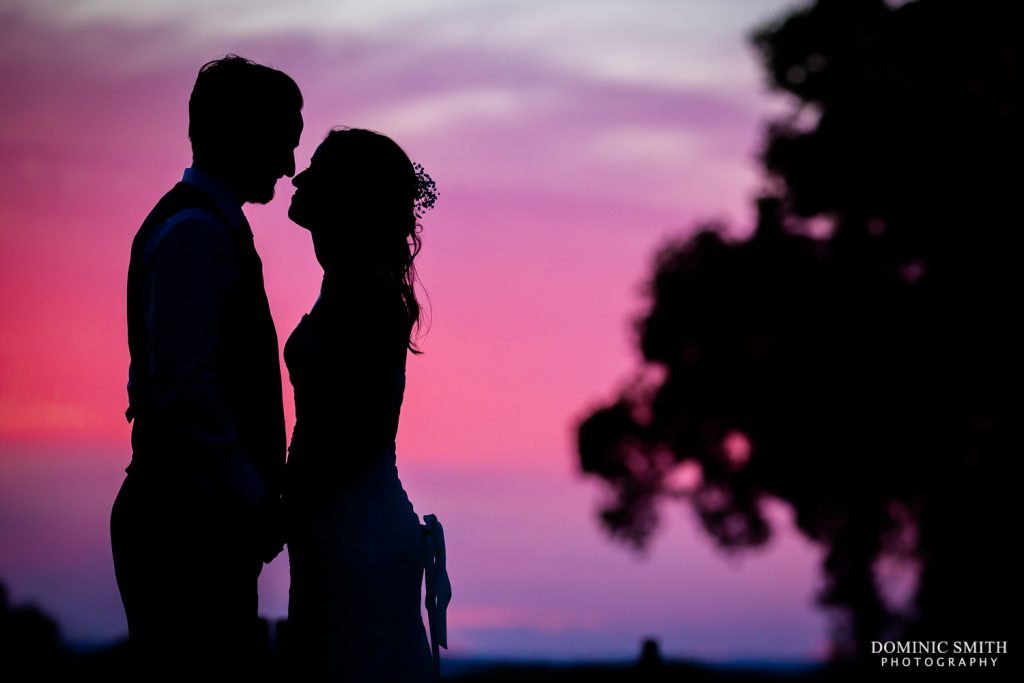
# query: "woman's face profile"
[[318, 197]]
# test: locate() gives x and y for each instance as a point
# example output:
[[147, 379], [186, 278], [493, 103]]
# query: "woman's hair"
[[385, 191]]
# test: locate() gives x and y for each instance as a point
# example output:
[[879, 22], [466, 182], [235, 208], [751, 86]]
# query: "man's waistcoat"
[[247, 369]]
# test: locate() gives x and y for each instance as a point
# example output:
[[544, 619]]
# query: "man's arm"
[[192, 273]]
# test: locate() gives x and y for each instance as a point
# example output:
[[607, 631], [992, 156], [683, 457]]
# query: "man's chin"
[[258, 190], [261, 196]]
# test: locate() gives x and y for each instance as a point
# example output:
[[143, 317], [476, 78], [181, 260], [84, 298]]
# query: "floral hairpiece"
[[426, 191]]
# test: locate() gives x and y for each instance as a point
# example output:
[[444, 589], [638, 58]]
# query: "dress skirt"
[[356, 557]]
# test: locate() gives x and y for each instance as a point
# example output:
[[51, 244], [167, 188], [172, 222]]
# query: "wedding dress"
[[356, 545]]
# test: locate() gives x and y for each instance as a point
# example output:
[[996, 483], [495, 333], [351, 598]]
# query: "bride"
[[356, 546]]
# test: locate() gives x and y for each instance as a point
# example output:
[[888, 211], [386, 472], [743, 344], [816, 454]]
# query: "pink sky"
[[567, 139]]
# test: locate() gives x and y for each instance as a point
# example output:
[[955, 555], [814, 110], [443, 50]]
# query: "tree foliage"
[[854, 358]]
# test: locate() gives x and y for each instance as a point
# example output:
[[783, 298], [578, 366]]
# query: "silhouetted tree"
[[855, 357]]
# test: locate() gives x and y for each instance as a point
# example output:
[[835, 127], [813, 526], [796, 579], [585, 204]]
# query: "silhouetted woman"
[[355, 542]]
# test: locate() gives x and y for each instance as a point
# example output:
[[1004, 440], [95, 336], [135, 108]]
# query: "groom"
[[198, 514]]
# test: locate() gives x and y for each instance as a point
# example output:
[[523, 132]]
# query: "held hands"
[[264, 530]]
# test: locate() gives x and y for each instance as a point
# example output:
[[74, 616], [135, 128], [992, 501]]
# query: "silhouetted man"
[[196, 516]]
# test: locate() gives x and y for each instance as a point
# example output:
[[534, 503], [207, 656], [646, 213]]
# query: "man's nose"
[[298, 179], [289, 167]]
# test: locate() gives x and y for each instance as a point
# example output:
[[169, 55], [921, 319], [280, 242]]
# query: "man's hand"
[[266, 530]]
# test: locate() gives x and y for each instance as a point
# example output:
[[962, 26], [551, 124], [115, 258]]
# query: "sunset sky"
[[568, 140]]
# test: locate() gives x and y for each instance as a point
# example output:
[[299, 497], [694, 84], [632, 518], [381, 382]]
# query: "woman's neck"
[[349, 254]]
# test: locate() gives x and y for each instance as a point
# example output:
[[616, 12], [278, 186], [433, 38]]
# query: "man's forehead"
[[285, 124]]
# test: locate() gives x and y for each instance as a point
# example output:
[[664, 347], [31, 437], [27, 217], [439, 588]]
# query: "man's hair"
[[235, 99]]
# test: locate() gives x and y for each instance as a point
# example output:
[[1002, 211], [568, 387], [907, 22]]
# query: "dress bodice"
[[346, 360]]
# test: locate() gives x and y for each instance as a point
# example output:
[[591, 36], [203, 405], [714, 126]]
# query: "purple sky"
[[568, 140]]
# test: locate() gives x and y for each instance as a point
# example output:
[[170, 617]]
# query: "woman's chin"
[[295, 215]]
